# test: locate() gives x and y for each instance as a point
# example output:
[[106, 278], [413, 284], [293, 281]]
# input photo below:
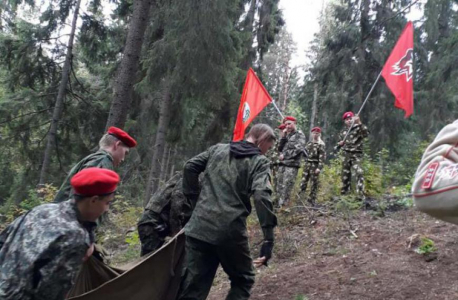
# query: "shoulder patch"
[[429, 175]]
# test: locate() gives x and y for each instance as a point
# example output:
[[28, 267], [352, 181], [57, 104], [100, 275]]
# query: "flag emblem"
[[404, 65], [246, 112]]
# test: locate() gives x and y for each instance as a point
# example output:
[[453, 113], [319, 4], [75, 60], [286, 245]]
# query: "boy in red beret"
[[291, 148], [41, 251], [352, 151], [313, 165], [113, 148]]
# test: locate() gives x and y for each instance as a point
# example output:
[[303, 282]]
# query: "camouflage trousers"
[[286, 178], [310, 175], [150, 239], [352, 161]]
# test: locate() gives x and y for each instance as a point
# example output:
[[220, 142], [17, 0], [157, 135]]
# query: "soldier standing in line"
[[113, 148], [272, 155], [292, 147], [314, 165], [217, 233], [352, 148], [41, 251]]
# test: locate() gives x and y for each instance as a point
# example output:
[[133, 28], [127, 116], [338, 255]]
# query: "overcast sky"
[[301, 18], [302, 22]]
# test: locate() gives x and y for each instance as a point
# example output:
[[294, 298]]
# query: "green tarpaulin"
[[155, 277]]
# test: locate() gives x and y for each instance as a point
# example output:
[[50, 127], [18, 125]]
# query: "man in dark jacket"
[[216, 233]]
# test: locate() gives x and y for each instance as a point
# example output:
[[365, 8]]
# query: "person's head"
[[290, 123], [94, 190], [347, 118], [118, 143], [263, 136], [316, 133]]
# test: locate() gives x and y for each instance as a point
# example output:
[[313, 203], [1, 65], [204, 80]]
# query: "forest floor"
[[358, 255]]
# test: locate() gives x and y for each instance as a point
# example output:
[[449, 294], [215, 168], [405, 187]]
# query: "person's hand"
[[284, 133], [266, 252], [258, 262], [317, 171], [341, 143], [88, 252], [281, 157], [357, 120]]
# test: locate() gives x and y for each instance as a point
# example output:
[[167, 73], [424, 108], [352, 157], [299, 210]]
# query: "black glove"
[[266, 250]]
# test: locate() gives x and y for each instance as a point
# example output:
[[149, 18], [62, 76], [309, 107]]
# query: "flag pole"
[[364, 103], [281, 115]]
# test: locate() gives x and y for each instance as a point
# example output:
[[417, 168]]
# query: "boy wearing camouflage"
[[352, 148], [41, 251], [165, 215], [291, 148], [313, 165], [272, 155], [114, 146]]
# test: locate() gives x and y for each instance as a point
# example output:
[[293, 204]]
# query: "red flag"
[[254, 98], [398, 71]]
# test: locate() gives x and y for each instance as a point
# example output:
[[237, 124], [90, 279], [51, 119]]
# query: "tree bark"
[[313, 115], [58, 108], [165, 157], [159, 144], [125, 78], [247, 61]]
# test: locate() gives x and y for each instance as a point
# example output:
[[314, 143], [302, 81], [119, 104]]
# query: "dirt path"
[[326, 261]]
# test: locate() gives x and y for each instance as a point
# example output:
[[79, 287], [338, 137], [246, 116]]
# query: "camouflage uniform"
[[292, 147], [272, 155], [315, 160], [216, 233], [41, 251], [164, 215], [353, 154], [100, 159]]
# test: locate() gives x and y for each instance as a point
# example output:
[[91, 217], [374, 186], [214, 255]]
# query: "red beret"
[[316, 129], [289, 118], [347, 115], [94, 181], [122, 136], [281, 126]]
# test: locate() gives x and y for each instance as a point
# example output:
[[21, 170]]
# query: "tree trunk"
[[164, 120], [171, 164], [250, 56], [125, 78], [58, 108], [165, 156], [313, 115]]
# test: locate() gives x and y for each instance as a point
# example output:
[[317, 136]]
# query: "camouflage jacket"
[[272, 155], [316, 153], [100, 159], [167, 206], [41, 251], [355, 139], [292, 147], [230, 178]]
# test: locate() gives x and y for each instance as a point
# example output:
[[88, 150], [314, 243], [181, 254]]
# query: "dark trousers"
[[202, 261], [150, 239]]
